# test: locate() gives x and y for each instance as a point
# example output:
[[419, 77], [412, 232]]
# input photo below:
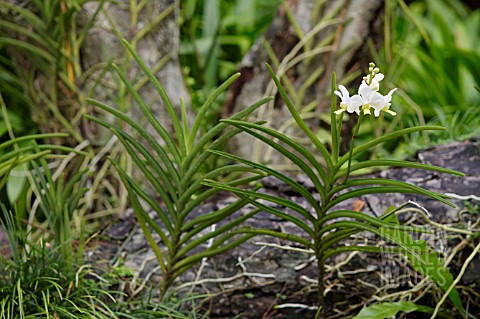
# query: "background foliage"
[[432, 54], [216, 35]]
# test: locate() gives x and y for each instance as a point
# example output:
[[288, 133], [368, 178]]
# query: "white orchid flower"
[[349, 104], [386, 104], [370, 99]]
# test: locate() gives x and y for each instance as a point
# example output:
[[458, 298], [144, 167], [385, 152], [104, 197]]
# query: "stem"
[[333, 122], [164, 286], [339, 132], [320, 264], [321, 283], [352, 142]]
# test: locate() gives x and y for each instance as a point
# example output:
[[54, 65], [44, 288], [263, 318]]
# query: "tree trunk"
[[153, 31], [340, 46]]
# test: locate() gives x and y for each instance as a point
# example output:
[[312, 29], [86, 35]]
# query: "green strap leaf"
[[395, 163], [140, 214], [366, 249], [389, 309], [359, 149], [393, 183], [219, 231], [32, 49], [377, 231], [195, 186], [365, 191], [6, 166], [201, 197], [333, 120], [367, 218], [197, 224], [192, 168], [191, 161], [318, 144], [427, 263], [18, 140], [26, 32], [203, 110], [165, 159], [285, 236], [290, 142], [170, 143], [339, 235], [300, 223], [28, 15], [130, 143], [139, 192], [274, 199], [295, 185], [186, 130], [161, 91], [161, 181], [217, 249]]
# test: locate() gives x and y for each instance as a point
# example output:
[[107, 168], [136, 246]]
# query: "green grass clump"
[[35, 282]]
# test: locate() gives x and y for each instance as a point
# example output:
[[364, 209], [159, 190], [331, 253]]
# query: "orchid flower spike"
[[374, 81], [368, 96]]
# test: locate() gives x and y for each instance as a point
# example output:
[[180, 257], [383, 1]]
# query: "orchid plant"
[[173, 166], [323, 225]]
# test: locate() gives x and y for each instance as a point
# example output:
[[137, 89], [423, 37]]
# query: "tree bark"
[[346, 53], [156, 40]]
